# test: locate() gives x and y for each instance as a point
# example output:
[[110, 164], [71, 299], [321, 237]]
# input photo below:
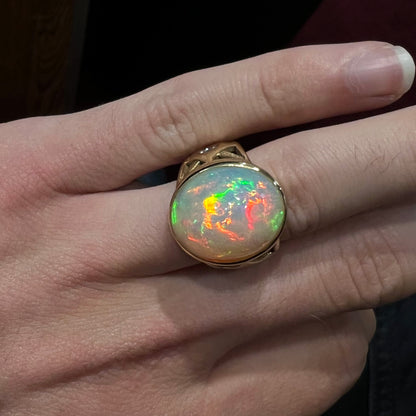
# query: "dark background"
[[59, 56]]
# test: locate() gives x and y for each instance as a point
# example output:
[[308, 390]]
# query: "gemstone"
[[227, 213]]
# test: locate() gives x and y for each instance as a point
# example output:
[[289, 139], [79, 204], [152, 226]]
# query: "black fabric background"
[[130, 47]]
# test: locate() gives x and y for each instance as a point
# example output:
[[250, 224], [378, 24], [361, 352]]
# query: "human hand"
[[102, 313]]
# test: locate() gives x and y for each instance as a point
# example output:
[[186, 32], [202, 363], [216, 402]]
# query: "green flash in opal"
[[174, 217], [277, 220]]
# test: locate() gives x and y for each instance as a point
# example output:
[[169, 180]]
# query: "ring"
[[225, 211]]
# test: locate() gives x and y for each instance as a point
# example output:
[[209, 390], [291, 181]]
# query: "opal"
[[227, 213]]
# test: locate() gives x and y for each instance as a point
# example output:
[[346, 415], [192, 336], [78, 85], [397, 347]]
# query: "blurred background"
[[59, 56]]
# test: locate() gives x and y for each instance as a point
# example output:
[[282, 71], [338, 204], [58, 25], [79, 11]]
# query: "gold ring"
[[225, 211]]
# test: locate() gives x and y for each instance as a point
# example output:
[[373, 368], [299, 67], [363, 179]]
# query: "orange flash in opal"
[[202, 241], [251, 203], [232, 236], [210, 205]]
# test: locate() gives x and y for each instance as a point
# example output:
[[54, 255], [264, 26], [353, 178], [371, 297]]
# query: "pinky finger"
[[303, 371]]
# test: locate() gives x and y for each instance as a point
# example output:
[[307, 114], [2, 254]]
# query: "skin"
[[102, 314]]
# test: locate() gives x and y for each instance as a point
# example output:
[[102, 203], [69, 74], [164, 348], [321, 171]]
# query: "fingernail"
[[386, 70], [408, 67]]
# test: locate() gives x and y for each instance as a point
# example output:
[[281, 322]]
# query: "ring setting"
[[226, 212]]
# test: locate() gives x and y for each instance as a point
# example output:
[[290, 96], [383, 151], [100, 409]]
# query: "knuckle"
[[27, 169], [400, 141], [170, 120], [369, 272], [276, 92], [301, 189], [25, 191], [376, 270], [270, 95]]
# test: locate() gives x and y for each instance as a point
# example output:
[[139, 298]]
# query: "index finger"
[[107, 147]]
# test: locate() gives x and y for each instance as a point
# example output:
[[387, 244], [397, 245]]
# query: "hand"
[[101, 312]]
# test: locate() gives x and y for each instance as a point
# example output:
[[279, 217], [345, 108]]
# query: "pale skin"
[[102, 314]]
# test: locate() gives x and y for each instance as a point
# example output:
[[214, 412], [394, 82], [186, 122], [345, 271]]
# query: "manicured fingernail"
[[386, 70], [408, 67]]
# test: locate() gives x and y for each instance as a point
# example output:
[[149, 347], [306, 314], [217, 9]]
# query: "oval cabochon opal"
[[227, 213]]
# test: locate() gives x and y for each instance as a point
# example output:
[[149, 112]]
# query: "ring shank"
[[216, 153]]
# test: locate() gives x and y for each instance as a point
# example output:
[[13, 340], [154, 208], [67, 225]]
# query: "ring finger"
[[327, 174]]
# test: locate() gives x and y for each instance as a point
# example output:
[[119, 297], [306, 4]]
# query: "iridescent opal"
[[227, 213]]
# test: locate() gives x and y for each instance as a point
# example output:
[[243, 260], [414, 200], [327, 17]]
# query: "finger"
[[327, 175], [109, 146], [361, 263], [268, 372], [369, 261], [123, 354]]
